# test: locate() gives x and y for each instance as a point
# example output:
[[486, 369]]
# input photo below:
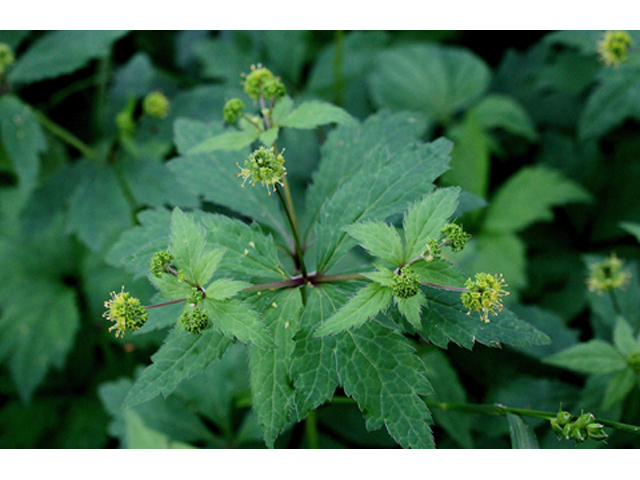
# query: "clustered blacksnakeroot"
[[484, 295], [261, 83], [579, 429], [264, 166], [454, 237], [155, 104], [126, 311], [614, 47], [405, 283], [607, 275]]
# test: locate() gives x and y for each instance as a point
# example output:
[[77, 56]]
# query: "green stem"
[[65, 136], [614, 302], [311, 428], [338, 61], [294, 229]]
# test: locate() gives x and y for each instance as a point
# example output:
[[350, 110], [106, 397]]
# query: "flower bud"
[[456, 236], [159, 262], [432, 250], [262, 82], [595, 431], [194, 320], [406, 283], [155, 104], [232, 110]]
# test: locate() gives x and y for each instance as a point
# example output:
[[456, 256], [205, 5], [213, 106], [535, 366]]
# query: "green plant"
[[292, 244]]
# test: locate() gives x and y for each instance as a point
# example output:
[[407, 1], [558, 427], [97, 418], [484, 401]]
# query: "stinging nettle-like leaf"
[[271, 390], [182, 355], [426, 218], [361, 307], [380, 240], [239, 320], [380, 371]]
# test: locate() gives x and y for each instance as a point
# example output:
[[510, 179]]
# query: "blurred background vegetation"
[[544, 131]]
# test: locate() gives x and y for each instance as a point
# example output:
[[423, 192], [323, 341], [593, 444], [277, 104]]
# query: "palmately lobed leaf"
[[271, 387], [379, 369]]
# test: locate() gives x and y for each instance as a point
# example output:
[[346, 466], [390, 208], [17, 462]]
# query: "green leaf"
[[314, 113], [313, 365], [37, 328], [139, 436], [447, 388], [446, 320], [619, 387], [528, 197], [426, 218], [223, 288], [379, 369], [62, 52], [235, 140], [410, 308], [592, 357], [439, 271], [182, 355], [500, 111], [612, 101], [22, 138], [136, 246], [522, 435], [623, 337], [188, 245], [271, 390], [249, 252], [361, 307], [98, 208], [238, 319], [346, 149], [632, 228], [380, 239], [436, 80], [386, 186], [214, 176]]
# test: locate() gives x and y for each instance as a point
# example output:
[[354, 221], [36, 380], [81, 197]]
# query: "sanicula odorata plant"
[[365, 239]]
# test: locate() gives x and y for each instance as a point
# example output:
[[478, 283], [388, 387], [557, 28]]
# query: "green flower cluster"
[[6, 57], [155, 104], [455, 238], [583, 428], [405, 284], [232, 110], [194, 319], [484, 294], [607, 275], [127, 312], [261, 82], [613, 48], [264, 166], [159, 262]]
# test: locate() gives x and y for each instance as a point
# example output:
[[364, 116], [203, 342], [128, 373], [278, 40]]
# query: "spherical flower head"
[[484, 294], [125, 123], [159, 262], [405, 284], [232, 110], [194, 319], [264, 166], [607, 275], [195, 297], [432, 251], [155, 104], [261, 81], [6, 57], [127, 312], [456, 236], [613, 48]]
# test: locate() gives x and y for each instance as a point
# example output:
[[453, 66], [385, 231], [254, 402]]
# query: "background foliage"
[[543, 132]]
